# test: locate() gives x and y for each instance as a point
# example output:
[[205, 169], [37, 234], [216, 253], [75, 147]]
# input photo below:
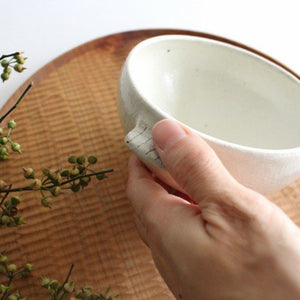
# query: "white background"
[[44, 29]]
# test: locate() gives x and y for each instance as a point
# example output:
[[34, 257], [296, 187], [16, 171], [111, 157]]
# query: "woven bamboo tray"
[[72, 109]]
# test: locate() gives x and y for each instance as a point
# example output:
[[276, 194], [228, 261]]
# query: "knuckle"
[[234, 208]]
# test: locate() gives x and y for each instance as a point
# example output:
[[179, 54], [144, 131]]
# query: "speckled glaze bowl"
[[245, 106]]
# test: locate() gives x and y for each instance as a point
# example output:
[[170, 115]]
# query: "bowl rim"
[[225, 43]]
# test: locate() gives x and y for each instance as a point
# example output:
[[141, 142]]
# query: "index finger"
[[157, 210]]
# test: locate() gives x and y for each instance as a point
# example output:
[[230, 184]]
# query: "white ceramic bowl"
[[245, 106]]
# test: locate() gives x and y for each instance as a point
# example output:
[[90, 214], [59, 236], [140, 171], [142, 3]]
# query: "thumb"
[[190, 161]]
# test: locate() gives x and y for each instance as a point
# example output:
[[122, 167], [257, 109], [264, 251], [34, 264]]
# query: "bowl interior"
[[220, 90]]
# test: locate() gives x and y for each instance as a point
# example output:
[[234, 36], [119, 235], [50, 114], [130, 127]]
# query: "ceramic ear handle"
[[139, 140]]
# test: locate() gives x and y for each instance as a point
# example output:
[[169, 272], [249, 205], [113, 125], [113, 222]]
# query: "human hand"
[[219, 241]]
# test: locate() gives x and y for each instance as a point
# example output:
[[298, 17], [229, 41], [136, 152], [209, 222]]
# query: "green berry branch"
[[11, 272], [14, 61], [49, 183], [6, 142], [67, 288]]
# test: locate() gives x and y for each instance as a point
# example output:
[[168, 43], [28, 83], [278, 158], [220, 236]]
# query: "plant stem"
[[29, 188], [9, 55], [82, 176], [10, 279], [64, 294], [66, 280], [16, 104], [6, 194], [8, 134]]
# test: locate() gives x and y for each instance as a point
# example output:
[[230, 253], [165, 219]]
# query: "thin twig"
[[10, 279], [9, 55], [66, 280], [6, 194], [82, 176], [15, 106], [29, 188]]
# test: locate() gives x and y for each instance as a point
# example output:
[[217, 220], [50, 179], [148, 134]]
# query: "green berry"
[[19, 220], [15, 200], [52, 175], [92, 159], [3, 150], [80, 160], [100, 176], [69, 287], [80, 295], [2, 184], [12, 267], [72, 159], [16, 147], [17, 56], [54, 285], [19, 68], [3, 288], [29, 267], [7, 70], [45, 282], [28, 173], [4, 157], [75, 188], [3, 140], [4, 63], [47, 201], [59, 179], [13, 297], [55, 191], [4, 76], [3, 259], [36, 184], [74, 172], [21, 60], [84, 181], [65, 173], [12, 124], [5, 220]]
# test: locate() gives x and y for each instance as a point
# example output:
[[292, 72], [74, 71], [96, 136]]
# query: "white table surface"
[[44, 29]]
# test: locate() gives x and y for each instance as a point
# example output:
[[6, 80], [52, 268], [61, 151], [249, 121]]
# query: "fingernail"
[[166, 133]]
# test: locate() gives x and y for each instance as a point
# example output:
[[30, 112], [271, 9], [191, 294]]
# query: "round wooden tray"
[[72, 109]]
